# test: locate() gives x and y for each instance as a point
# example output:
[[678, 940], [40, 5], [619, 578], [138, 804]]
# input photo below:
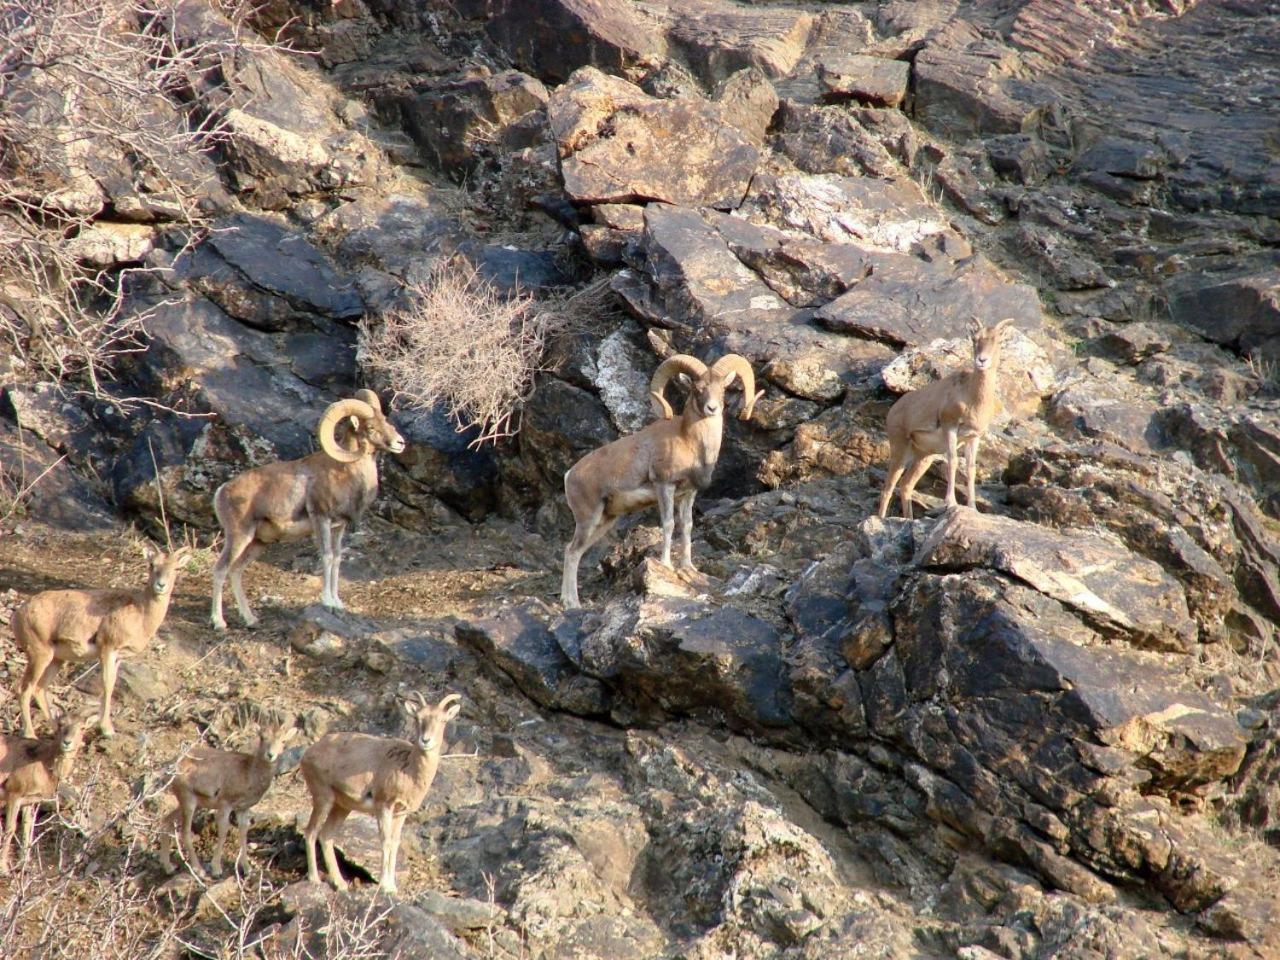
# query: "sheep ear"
[[150, 550], [728, 381], [409, 708], [975, 326], [355, 423], [453, 711], [684, 381], [289, 734]]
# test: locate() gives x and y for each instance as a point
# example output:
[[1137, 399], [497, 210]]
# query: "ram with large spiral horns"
[[666, 463], [321, 494]]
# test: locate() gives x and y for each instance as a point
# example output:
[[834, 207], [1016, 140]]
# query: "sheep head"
[[272, 738], [706, 385], [986, 343], [163, 567], [369, 429], [429, 719]]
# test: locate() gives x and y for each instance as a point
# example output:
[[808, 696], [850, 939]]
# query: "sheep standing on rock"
[[931, 422], [666, 463], [321, 494]]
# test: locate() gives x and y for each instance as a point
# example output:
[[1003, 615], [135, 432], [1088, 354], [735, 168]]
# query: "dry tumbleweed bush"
[[462, 343]]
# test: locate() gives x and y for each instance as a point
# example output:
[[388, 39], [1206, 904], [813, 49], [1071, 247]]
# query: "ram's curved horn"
[[448, 699], [369, 397], [733, 363], [677, 363], [335, 412]]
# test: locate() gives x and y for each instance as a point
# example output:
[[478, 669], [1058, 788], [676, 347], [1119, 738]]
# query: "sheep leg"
[[339, 531], [244, 820], [898, 462], [952, 463], [247, 556], [110, 665], [387, 833], [971, 468], [39, 659], [321, 805], [685, 505], [331, 826], [43, 699], [328, 560], [393, 850], [585, 536], [28, 813], [223, 819], [229, 561], [10, 828], [914, 473], [172, 823], [186, 841], [666, 513]]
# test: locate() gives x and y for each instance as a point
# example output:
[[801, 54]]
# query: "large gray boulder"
[[1242, 312], [909, 302], [616, 143], [965, 84], [1100, 582], [699, 279], [452, 121], [553, 38]]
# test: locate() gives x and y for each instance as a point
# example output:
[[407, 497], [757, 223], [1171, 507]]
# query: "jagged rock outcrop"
[[615, 142], [1040, 729]]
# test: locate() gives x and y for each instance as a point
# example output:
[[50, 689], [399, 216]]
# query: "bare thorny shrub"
[[87, 890], [460, 342], [91, 90]]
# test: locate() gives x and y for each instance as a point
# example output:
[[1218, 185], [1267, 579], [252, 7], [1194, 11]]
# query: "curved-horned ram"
[[321, 494], [932, 422], [666, 462]]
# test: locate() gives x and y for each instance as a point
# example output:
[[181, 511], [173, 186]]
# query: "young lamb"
[[223, 781], [73, 626], [383, 777], [30, 771], [929, 423]]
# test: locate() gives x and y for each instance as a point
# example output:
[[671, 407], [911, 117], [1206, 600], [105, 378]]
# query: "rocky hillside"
[[1042, 729]]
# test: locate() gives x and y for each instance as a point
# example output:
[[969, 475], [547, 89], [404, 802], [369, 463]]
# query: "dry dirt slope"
[[545, 834]]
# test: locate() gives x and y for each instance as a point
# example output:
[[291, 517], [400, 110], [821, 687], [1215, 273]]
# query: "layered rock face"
[[1039, 729]]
